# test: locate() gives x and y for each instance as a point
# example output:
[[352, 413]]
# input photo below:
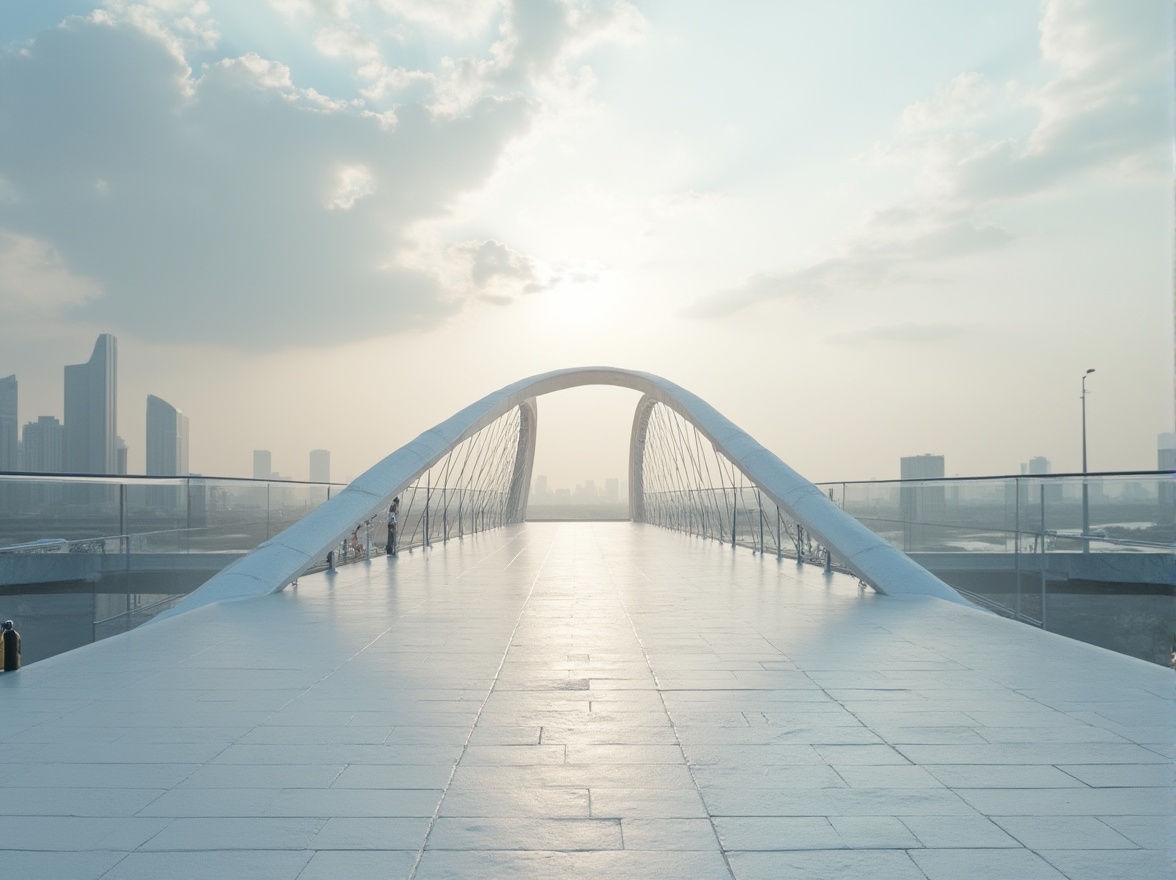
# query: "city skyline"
[[859, 230], [167, 443]]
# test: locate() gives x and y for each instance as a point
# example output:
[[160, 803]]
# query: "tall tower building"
[[263, 468], [8, 425], [91, 407], [1166, 451], [920, 506], [320, 465], [1166, 461], [167, 439], [43, 441], [120, 456]]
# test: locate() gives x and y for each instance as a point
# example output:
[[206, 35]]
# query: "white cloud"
[[346, 42], [1105, 109], [230, 187], [34, 279], [353, 182], [459, 19], [898, 244], [539, 42], [957, 100], [251, 70], [219, 187], [498, 272], [904, 334], [180, 25]]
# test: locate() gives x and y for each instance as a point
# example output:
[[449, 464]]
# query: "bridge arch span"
[[280, 560]]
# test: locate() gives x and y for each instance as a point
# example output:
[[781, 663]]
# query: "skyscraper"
[[43, 441], [1166, 461], [919, 505], [167, 439], [262, 464], [320, 466], [1038, 466], [91, 407], [8, 424]]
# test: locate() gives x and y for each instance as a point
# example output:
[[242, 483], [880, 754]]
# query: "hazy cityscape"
[[542, 439], [87, 441]]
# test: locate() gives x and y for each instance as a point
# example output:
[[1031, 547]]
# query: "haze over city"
[[860, 230]]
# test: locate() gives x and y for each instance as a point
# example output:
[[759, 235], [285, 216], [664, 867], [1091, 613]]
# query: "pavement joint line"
[[275, 712], [674, 727], [478, 715]]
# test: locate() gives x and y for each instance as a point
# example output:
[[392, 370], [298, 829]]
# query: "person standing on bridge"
[[393, 509], [10, 647]]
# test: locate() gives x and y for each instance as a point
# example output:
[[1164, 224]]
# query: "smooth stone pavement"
[[586, 700]]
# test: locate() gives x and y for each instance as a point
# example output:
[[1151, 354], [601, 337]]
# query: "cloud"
[[538, 42], [909, 333], [253, 205], [895, 245], [1104, 109], [962, 96], [492, 260], [499, 273], [233, 205], [353, 183], [34, 279], [534, 45]]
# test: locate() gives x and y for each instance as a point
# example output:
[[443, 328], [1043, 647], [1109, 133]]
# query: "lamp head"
[[1091, 370]]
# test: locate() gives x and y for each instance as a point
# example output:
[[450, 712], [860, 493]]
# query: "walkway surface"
[[586, 700]]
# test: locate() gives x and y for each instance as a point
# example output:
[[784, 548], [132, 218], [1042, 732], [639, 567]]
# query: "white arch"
[[280, 560]]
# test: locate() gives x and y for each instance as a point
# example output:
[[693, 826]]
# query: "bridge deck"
[[586, 700]]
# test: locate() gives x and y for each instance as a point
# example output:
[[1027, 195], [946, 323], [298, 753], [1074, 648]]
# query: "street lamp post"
[[1085, 488]]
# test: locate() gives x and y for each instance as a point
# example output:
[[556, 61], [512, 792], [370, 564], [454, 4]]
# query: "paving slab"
[[580, 700]]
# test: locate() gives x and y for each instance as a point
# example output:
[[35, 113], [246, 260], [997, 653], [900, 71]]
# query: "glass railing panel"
[[1091, 556], [86, 557]]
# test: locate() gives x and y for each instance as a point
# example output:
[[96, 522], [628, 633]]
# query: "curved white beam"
[[280, 560]]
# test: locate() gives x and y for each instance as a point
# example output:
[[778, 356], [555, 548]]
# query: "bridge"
[[742, 682]]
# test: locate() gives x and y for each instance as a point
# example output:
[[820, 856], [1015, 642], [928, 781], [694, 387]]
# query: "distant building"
[[320, 465], [612, 489], [9, 426], [921, 467], [1051, 489], [167, 439], [920, 506], [1166, 451], [262, 465], [540, 493], [91, 411], [1166, 461], [43, 442], [1038, 465], [120, 456]]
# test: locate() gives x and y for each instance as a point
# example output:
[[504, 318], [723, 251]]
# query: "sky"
[[860, 230]]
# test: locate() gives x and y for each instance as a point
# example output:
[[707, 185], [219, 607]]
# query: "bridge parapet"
[[506, 474]]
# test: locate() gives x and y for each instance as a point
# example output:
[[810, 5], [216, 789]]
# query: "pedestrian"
[[393, 509], [10, 647]]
